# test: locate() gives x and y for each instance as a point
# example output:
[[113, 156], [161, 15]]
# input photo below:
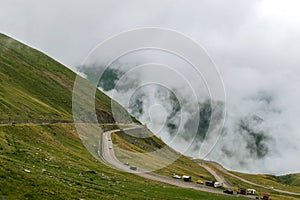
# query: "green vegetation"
[[35, 87], [131, 142], [61, 168], [273, 181], [265, 180], [290, 179], [49, 161]]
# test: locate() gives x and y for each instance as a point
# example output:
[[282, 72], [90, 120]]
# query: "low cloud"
[[254, 43]]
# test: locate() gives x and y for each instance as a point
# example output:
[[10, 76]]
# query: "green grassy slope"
[[61, 168], [287, 183], [49, 161], [128, 145], [290, 179], [34, 86]]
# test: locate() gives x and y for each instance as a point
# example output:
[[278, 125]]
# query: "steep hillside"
[[50, 162], [42, 157], [35, 87]]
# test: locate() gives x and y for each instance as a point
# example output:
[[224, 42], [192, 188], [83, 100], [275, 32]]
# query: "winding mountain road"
[[106, 152], [221, 169], [217, 176]]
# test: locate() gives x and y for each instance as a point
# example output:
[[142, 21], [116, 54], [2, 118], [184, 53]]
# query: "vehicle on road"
[[110, 147], [186, 178], [134, 168], [228, 191], [251, 191], [210, 183], [200, 182], [266, 197], [176, 176], [218, 184], [242, 191], [126, 163]]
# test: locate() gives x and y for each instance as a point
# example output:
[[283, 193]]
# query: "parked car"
[[134, 168], [200, 182], [228, 191], [176, 176]]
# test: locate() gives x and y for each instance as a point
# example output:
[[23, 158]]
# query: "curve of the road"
[[220, 168], [217, 176], [106, 152]]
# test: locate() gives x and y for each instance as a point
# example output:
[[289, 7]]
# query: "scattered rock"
[[27, 171]]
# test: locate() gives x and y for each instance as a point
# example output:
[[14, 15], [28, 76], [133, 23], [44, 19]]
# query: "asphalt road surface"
[[107, 153], [220, 168], [217, 176]]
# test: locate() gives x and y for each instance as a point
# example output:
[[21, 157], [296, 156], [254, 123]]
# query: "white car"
[[176, 176]]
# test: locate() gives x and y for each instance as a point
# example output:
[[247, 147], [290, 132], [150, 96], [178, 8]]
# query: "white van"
[[218, 185], [251, 191]]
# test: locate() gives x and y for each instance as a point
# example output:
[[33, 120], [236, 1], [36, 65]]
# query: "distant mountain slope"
[[290, 179]]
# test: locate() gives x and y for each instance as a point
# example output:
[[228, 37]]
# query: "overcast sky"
[[254, 43], [230, 30]]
